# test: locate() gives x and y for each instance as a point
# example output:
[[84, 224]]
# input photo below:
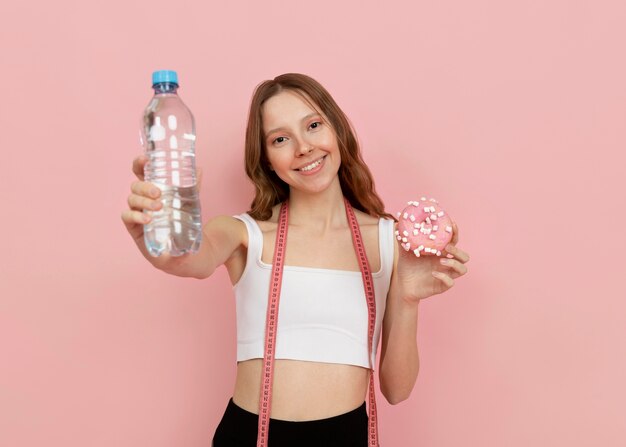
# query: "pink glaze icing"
[[428, 219]]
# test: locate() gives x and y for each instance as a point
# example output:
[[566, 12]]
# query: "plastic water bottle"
[[168, 134]]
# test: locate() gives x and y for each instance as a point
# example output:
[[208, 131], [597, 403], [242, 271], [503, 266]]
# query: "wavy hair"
[[355, 178]]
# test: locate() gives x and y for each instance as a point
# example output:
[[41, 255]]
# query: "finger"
[[138, 164], [444, 278], [454, 264], [457, 253], [146, 189], [140, 203], [131, 217], [199, 170], [455, 233]]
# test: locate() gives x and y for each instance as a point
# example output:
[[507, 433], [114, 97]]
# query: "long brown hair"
[[355, 178]]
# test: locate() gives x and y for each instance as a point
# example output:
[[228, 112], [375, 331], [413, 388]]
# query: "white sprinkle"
[[428, 221], [427, 209], [407, 246], [440, 214], [427, 250], [397, 232], [433, 217], [436, 227], [416, 225], [405, 233], [438, 253], [449, 229], [416, 203], [405, 240], [409, 203], [412, 217], [399, 238], [432, 236], [417, 252], [423, 199], [449, 256], [420, 248], [433, 200], [405, 215], [432, 209], [398, 214], [415, 232]]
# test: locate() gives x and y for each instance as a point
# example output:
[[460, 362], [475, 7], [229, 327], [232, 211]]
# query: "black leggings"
[[238, 428]]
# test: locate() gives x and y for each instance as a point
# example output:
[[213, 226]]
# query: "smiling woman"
[[318, 240]]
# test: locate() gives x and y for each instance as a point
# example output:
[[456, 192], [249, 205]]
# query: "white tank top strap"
[[386, 241], [255, 236]]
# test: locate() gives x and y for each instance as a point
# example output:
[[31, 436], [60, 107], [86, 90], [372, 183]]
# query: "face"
[[301, 146]]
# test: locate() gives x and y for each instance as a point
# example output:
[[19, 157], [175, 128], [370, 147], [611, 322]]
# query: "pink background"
[[511, 114]]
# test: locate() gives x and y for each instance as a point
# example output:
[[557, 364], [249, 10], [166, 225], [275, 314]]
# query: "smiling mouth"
[[313, 165]]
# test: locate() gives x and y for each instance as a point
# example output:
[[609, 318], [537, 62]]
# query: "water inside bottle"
[[176, 228]]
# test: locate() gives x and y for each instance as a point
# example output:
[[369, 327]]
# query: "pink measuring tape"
[[265, 401]]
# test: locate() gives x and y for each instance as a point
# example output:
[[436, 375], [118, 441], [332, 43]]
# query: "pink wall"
[[511, 114]]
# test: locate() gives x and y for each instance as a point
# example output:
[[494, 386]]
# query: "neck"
[[320, 211]]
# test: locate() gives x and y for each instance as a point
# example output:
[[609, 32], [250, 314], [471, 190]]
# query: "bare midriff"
[[302, 390]]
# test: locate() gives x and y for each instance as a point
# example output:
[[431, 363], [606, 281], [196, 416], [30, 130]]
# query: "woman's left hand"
[[427, 275]]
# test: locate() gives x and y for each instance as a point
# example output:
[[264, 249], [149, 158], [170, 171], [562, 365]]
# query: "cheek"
[[327, 140], [278, 158]]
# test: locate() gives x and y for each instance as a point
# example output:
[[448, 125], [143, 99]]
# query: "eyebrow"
[[303, 119]]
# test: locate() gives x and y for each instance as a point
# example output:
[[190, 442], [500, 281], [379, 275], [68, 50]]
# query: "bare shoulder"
[[227, 236], [269, 225], [234, 228], [365, 219]]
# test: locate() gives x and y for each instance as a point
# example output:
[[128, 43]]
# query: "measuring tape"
[[271, 319]]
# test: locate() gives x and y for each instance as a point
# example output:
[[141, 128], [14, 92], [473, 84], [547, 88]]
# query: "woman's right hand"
[[144, 196]]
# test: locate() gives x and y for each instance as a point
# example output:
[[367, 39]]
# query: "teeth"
[[312, 165]]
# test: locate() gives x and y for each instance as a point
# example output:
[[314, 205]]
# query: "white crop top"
[[322, 314]]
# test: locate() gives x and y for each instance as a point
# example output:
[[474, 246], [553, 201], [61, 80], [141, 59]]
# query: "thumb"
[[199, 177]]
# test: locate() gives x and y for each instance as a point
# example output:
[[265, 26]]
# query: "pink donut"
[[424, 228]]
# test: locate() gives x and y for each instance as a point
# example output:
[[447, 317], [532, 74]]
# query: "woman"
[[300, 149]]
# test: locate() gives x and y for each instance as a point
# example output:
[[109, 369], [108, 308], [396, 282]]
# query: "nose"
[[304, 148]]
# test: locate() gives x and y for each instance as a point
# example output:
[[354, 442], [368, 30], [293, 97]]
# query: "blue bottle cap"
[[164, 76]]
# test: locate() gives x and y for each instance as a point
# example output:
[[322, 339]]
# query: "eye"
[[279, 138], [316, 122]]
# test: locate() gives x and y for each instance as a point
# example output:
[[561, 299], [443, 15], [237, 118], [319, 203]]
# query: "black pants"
[[238, 428]]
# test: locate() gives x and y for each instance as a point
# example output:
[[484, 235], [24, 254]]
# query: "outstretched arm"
[[221, 236]]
